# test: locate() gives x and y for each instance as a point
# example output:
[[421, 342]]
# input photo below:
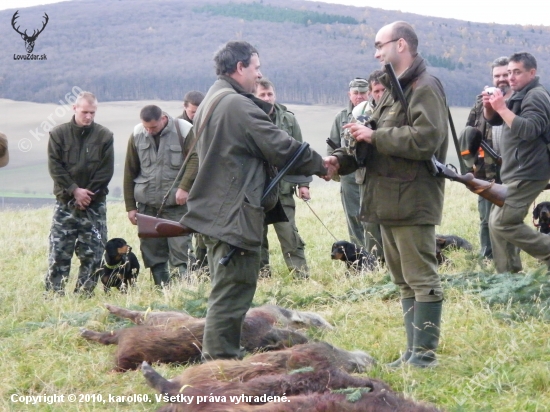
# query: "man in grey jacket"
[[525, 161], [156, 151], [236, 143]]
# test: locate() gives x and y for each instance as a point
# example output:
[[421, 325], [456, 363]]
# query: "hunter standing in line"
[[292, 245], [155, 154], [238, 144], [81, 164], [349, 189], [401, 194]]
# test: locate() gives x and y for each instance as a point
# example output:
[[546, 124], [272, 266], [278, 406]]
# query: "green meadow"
[[494, 352]]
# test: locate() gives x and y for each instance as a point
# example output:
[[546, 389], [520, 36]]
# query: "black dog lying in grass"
[[355, 256], [120, 267], [448, 242], [542, 214]]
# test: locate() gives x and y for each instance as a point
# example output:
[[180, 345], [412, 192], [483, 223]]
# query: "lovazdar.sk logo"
[[29, 39]]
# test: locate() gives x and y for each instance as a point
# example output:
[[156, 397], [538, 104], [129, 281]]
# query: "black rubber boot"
[[408, 316], [161, 275], [427, 326]]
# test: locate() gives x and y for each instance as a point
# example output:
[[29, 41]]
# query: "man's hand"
[[303, 193], [181, 197], [332, 165], [132, 217], [82, 198], [360, 132], [496, 100]]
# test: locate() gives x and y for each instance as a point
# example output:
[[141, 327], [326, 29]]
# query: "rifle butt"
[[154, 227], [493, 192]]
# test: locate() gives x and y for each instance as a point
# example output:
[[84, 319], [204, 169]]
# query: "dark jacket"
[[237, 142], [399, 188], [80, 157], [485, 167], [285, 120], [523, 150]]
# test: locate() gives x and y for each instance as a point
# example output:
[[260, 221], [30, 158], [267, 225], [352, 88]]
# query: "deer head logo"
[[29, 40]]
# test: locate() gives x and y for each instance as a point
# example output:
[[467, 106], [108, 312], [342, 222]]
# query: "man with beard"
[[481, 163], [400, 193], [525, 171]]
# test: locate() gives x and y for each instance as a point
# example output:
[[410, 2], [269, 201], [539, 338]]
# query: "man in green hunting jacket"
[[291, 242], [401, 194], [81, 163], [237, 144]]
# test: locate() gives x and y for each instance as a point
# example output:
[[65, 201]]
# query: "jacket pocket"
[[176, 157], [145, 153], [141, 189], [70, 155], [248, 225], [399, 199]]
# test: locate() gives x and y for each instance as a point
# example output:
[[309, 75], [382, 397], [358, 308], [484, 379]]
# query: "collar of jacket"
[[168, 126], [81, 130], [266, 107], [520, 94], [417, 67]]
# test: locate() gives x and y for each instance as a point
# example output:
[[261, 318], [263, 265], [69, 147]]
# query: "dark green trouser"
[[233, 288], [351, 197], [291, 242], [82, 232], [484, 209]]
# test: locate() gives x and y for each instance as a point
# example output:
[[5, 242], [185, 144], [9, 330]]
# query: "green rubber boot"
[[161, 274], [408, 316], [427, 326]]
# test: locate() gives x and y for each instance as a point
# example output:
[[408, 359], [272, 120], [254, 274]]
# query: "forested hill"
[[143, 49]]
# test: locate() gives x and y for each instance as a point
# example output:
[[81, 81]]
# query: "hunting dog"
[[449, 242], [119, 267], [355, 256], [541, 212]]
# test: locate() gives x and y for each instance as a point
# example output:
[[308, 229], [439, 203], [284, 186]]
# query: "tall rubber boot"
[[161, 275], [408, 317], [427, 326]]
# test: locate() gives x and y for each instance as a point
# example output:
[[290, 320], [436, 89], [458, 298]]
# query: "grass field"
[[488, 362]]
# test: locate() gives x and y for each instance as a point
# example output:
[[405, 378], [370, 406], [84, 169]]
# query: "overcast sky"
[[486, 11]]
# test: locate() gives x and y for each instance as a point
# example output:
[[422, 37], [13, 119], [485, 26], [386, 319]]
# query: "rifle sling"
[[220, 94]]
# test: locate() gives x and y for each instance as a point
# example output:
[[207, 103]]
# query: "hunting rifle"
[[493, 192]]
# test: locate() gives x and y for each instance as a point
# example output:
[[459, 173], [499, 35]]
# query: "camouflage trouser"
[[82, 232]]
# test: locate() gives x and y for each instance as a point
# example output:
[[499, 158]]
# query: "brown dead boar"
[[181, 341], [301, 391], [318, 355], [284, 317]]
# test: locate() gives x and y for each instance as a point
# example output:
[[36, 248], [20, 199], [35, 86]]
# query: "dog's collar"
[[113, 266]]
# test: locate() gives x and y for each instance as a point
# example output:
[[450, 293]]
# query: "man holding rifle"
[[401, 194], [483, 162], [525, 170], [237, 142]]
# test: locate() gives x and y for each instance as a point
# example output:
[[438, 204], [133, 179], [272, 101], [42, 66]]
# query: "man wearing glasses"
[[400, 194], [525, 169]]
